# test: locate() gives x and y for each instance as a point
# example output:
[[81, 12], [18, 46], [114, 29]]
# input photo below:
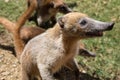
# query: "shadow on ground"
[[9, 48]]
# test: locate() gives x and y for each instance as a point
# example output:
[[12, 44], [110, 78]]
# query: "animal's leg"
[[73, 66], [25, 76], [68, 72], [45, 72]]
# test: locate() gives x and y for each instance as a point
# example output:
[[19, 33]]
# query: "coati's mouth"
[[95, 34]]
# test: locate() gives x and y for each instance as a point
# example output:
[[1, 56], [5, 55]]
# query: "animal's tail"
[[15, 28], [11, 27], [7, 24]]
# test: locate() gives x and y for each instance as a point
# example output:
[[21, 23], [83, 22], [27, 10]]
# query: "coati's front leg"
[[68, 72], [73, 66], [25, 76], [45, 72]]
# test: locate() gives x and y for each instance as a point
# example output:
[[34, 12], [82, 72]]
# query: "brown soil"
[[9, 65]]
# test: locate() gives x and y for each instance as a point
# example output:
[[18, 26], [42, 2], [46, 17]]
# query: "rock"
[[5, 73]]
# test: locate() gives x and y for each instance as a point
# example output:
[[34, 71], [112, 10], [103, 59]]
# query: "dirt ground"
[[9, 65]]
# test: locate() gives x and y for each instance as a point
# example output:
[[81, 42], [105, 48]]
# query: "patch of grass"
[[106, 65]]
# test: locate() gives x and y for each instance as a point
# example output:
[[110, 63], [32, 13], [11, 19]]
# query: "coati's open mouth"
[[94, 28], [95, 34]]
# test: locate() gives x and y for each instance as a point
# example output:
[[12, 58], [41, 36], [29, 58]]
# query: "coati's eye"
[[83, 22]]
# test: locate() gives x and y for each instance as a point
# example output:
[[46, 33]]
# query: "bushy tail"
[[14, 28]]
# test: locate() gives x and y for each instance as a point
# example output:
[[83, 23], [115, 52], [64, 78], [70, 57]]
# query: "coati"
[[48, 52], [46, 11]]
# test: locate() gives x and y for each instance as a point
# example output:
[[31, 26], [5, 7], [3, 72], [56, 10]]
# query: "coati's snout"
[[94, 28], [78, 24], [60, 6], [64, 9]]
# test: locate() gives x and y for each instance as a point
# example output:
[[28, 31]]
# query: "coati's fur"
[[47, 53], [46, 11]]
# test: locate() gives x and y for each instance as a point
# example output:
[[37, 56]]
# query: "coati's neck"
[[56, 31], [68, 41], [70, 44]]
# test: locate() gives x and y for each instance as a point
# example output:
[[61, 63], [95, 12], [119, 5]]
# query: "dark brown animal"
[[46, 11]]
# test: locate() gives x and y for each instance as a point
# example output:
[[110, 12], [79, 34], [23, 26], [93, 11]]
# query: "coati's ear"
[[61, 22]]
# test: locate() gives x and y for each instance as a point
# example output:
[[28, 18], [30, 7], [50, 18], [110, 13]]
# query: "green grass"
[[106, 65]]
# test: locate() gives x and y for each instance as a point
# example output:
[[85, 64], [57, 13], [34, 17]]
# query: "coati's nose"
[[110, 26]]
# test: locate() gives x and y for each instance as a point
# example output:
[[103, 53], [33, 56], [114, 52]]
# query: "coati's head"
[[79, 25], [47, 10]]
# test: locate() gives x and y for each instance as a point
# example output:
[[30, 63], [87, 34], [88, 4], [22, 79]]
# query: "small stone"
[[6, 0], [14, 65], [5, 73], [1, 56], [2, 78], [84, 71]]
